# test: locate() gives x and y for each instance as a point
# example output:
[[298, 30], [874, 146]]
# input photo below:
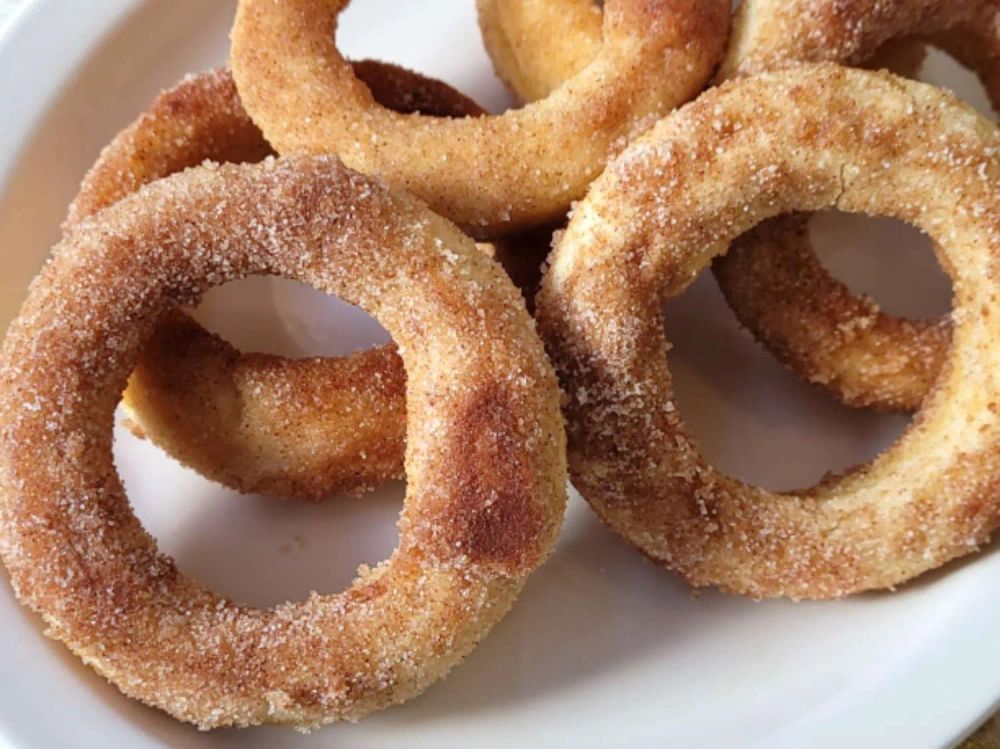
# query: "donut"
[[493, 174], [801, 139], [301, 429], [776, 286], [485, 455], [771, 278]]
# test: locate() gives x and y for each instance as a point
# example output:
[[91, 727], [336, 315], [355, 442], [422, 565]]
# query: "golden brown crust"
[[470, 532], [408, 92], [802, 139], [771, 278], [203, 119], [537, 45], [770, 34], [291, 428], [489, 174], [301, 429], [820, 329]]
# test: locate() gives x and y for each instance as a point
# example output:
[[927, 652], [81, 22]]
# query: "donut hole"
[[256, 550], [885, 259], [383, 30], [261, 550], [752, 418], [287, 318]]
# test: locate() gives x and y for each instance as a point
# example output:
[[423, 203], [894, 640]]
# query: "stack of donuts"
[[657, 137]]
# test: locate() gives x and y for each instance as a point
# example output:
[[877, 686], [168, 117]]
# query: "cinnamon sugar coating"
[[537, 45], [292, 428], [770, 34], [803, 139], [488, 174], [485, 455], [771, 278]]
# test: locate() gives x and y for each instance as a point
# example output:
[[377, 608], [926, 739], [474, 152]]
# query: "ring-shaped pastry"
[[771, 278], [802, 139], [485, 452], [491, 174]]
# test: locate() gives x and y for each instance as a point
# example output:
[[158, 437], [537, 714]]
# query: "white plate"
[[603, 650]]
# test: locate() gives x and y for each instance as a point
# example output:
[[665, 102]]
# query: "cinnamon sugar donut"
[[802, 139], [488, 174], [485, 454], [291, 428], [771, 278]]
